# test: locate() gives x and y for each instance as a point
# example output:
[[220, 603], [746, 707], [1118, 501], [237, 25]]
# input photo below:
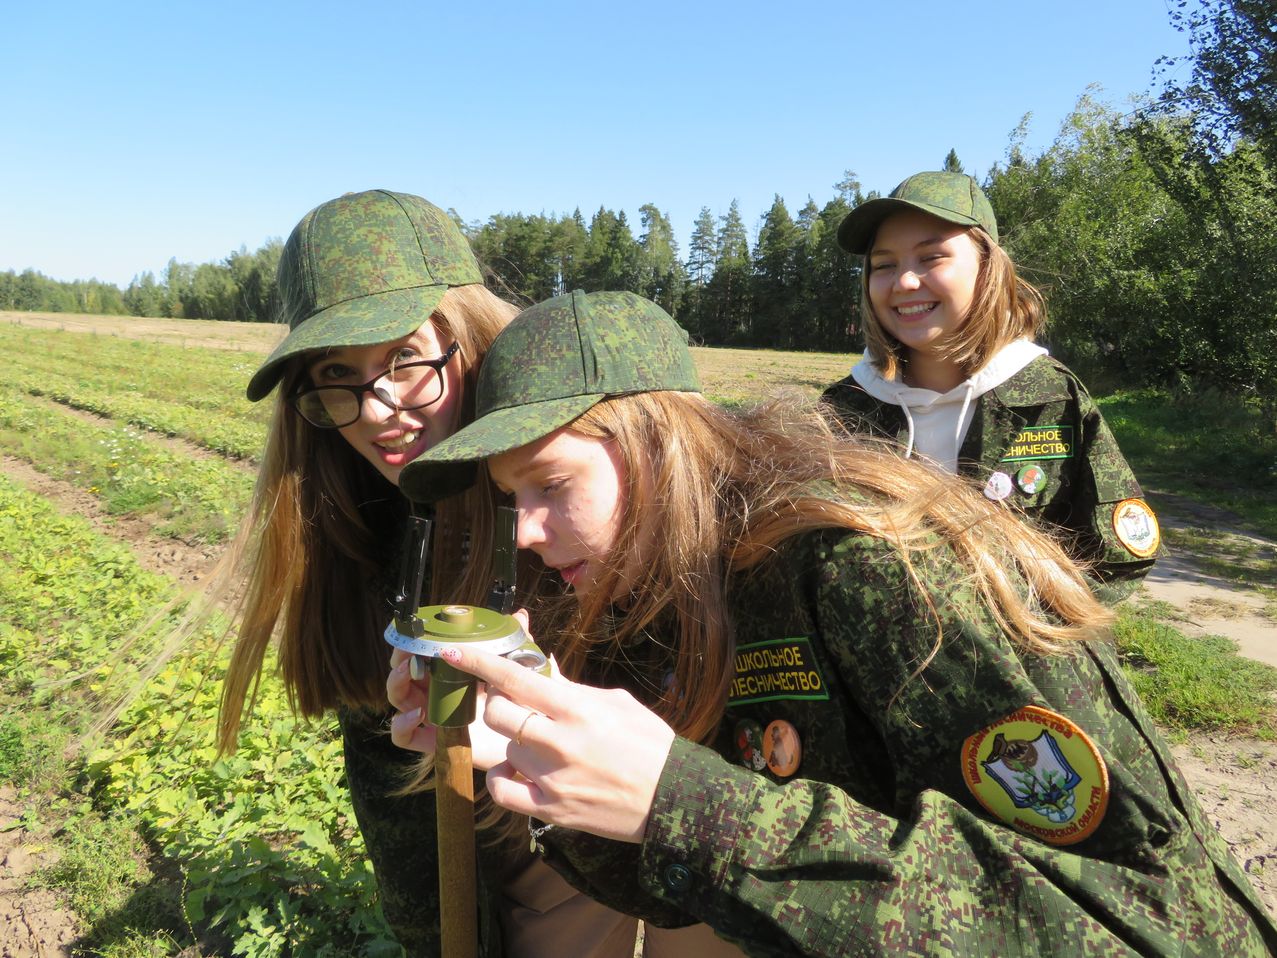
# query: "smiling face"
[[386, 437], [569, 490], [922, 279]]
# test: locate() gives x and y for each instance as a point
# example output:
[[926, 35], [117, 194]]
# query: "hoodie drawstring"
[[962, 416], [909, 420]]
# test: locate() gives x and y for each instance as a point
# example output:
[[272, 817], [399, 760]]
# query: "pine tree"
[[727, 317], [775, 280], [701, 257], [661, 278]]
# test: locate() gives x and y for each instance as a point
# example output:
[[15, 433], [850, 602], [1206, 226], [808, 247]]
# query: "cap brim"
[[504, 429], [437, 480], [858, 227], [378, 318]]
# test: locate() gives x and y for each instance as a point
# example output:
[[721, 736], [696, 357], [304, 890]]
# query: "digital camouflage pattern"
[[953, 197], [399, 832], [557, 359], [876, 846], [1077, 499], [400, 835], [363, 268]]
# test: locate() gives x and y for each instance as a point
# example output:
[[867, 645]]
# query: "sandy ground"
[[1236, 779]]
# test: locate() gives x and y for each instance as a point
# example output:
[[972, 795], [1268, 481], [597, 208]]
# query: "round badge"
[[1136, 527], [782, 748], [998, 487], [1030, 480], [1039, 773], [749, 744]]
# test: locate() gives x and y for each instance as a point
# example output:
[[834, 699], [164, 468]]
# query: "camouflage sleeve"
[[805, 867], [608, 872], [860, 412], [1105, 481]]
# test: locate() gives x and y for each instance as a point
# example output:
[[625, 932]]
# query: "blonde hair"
[[1005, 308], [709, 493], [321, 538]]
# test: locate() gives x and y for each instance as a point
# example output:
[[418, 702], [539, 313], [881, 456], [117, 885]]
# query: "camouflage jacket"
[[876, 843], [399, 832], [1086, 476]]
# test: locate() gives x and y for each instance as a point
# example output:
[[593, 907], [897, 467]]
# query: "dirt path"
[[1217, 579], [1236, 779], [1218, 576]]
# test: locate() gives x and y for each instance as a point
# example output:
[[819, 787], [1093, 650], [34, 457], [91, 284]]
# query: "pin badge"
[[782, 748], [1030, 480], [998, 487], [749, 744]]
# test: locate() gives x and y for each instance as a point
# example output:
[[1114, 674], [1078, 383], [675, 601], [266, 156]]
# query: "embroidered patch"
[[776, 669], [1039, 773], [1136, 527], [1040, 442]]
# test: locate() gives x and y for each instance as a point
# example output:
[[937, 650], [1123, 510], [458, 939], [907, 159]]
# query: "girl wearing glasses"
[[388, 321]]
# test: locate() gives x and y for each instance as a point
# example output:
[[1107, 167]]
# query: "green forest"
[[1152, 231]]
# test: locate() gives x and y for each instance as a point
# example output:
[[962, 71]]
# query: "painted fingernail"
[[452, 655], [402, 667], [414, 716]]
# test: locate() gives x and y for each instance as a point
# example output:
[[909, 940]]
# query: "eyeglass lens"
[[404, 387]]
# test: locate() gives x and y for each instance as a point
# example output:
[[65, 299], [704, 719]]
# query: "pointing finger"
[[517, 682]]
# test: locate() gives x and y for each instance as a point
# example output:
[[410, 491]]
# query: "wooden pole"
[[454, 797]]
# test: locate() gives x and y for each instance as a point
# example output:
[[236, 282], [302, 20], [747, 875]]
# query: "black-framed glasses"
[[413, 385]]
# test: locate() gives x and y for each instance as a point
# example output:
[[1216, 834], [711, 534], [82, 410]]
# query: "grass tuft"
[[1193, 685]]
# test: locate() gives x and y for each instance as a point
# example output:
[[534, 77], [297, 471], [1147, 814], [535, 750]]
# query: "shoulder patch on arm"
[[1135, 525], [1038, 772]]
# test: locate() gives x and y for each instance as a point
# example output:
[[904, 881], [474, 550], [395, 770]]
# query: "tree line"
[[1152, 233]]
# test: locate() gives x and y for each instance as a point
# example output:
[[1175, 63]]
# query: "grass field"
[[256, 852]]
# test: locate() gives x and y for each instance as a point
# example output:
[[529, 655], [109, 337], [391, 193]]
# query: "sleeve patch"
[[1038, 772], [1135, 526]]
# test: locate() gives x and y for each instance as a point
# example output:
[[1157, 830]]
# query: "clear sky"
[[133, 132]]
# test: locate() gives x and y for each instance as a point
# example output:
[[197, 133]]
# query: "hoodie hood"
[[938, 422]]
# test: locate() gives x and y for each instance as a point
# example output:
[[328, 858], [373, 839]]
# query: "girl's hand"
[[411, 729], [578, 756]]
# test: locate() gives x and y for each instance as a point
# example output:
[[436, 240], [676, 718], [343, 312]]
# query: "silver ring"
[[518, 736]]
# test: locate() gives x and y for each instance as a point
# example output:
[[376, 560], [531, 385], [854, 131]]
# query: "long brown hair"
[[710, 492], [1005, 308], [321, 537]]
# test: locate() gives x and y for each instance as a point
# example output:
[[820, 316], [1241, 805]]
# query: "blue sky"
[[136, 132]]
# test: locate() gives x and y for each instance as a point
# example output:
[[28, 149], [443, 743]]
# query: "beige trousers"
[[545, 917]]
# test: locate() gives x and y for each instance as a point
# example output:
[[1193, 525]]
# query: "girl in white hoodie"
[[951, 371]]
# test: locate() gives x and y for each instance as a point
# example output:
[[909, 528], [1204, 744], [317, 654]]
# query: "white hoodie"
[[938, 422]]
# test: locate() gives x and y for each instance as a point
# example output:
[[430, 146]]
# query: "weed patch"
[[1211, 447], [1196, 684]]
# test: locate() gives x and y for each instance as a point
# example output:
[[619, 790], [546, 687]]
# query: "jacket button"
[[678, 878]]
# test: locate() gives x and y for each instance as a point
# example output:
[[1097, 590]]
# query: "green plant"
[[1196, 684]]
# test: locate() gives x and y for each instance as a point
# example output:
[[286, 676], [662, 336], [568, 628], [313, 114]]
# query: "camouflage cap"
[[553, 362], [363, 268], [954, 197]]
